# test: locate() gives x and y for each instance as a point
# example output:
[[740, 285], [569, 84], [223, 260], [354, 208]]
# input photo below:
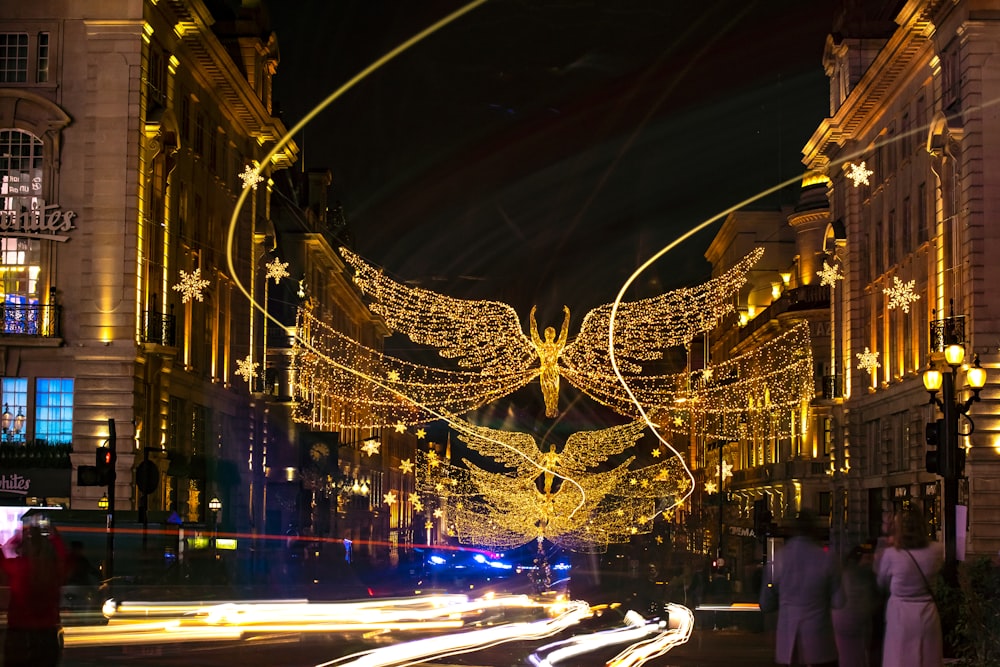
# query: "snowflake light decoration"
[[711, 486], [829, 275], [868, 361], [389, 498], [250, 177], [276, 270], [859, 173], [727, 470], [901, 294], [246, 368], [406, 466], [191, 285], [371, 446]]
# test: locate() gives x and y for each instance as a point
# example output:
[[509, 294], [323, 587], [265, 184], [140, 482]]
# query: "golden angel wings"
[[597, 500], [495, 357]]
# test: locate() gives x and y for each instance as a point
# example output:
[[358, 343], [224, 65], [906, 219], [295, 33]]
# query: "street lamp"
[[951, 462], [102, 503], [215, 505]]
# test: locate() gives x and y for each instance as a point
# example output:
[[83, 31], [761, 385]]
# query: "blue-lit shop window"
[[54, 410], [15, 409]]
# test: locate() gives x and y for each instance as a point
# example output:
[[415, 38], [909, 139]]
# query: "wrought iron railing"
[[947, 331], [34, 454], [30, 319], [833, 386], [160, 328]]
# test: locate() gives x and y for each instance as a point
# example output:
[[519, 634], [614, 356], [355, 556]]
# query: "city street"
[[707, 648]]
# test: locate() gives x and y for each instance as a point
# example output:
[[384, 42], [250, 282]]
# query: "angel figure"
[[597, 502], [548, 358], [487, 338]]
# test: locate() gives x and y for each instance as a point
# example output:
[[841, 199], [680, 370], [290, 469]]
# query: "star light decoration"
[[859, 173], [246, 368], [276, 270], [191, 285], [406, 466], [829, 275], [250, 177], [901, 294], [868, 361]]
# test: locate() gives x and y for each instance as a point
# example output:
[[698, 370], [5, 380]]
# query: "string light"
[[507, 509], [488, 335]]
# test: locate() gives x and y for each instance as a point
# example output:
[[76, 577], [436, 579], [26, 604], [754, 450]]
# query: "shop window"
[[15, 407], [54, 410]]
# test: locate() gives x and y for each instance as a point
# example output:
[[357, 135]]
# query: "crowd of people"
[[875, 608]]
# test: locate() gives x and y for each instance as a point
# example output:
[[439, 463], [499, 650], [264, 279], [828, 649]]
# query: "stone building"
[[134, 293]]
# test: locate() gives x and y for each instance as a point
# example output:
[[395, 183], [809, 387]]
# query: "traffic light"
[[104, 462], [933, 459]]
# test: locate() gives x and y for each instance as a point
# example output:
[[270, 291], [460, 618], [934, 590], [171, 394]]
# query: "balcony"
[[158, 328], [37, 320], [947, 331], [806, 297], [833, 386]]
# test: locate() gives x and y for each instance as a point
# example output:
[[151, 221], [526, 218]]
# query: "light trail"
[[647, 639]]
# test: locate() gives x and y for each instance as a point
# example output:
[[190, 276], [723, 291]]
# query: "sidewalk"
[[722, 648]]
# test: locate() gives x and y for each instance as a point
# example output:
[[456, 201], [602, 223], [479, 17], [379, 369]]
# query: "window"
[[15, 407], [923, 224], [42, 62], [906, 227], [156, 76], [891, 238], [13, 57], [53, 415], [20, 170], [824, 503], [827, 436], [20, 266], [54, 410]]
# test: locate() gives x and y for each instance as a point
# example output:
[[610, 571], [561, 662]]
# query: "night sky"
[[537, 151]]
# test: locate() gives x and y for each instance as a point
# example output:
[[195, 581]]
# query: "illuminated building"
[[777, 458], [338, 492], [911, 97], [128, 124]]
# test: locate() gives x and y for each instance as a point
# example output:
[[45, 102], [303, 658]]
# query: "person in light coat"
[[806, 579], [912, 625]]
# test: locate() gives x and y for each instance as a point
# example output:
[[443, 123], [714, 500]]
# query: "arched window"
[[20, 170], [21, 189]]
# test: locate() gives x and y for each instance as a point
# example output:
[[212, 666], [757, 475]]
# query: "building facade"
[[910, 149], [137, 300]]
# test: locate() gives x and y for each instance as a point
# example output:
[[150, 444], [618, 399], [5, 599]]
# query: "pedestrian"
[[804, 580], [34, 576], [912, 625], [853, 609]]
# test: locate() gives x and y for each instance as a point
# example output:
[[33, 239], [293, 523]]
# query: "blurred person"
[[854, 607], [34, 575], [913, 635], [81, 572], [804, 579]]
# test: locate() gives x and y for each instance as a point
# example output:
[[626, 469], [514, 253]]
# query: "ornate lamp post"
[[215, 506], [951, 457]]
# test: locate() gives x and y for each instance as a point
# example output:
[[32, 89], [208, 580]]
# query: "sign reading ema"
[[36, 220], [14, 483]]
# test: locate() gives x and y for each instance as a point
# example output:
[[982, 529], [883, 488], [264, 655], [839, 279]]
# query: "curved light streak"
[[357, 78]]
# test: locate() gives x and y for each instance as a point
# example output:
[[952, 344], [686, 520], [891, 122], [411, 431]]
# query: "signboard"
[[35, 482]]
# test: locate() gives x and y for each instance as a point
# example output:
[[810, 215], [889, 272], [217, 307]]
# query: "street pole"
[[949, 474], [112, 448]]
